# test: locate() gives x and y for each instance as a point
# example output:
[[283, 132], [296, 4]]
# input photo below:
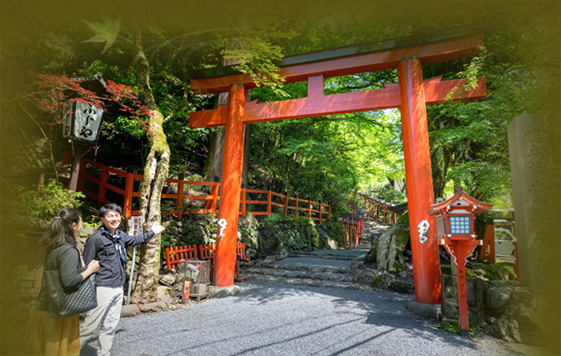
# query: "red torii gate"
[[411, 94]]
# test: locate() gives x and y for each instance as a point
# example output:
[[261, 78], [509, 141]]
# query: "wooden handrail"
[[322, 213]]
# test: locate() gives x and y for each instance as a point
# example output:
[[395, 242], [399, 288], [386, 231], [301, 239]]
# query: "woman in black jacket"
[[59, 336]]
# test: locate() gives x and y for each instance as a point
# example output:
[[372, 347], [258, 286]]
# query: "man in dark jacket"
[[108, 246]]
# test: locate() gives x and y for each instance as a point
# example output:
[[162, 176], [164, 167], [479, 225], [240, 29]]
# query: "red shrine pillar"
[[418, 172], [225, 254]]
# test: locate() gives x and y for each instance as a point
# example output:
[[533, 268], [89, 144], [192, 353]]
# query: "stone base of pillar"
[[221, 292], [432, 311]]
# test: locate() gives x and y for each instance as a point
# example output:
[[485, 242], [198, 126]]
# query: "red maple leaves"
[[51, 94]]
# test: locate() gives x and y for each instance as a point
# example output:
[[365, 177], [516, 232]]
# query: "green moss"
[[402, 237], [398, 267], [377, 281]]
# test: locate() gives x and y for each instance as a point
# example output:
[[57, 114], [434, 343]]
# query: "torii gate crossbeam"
[[411, 94]]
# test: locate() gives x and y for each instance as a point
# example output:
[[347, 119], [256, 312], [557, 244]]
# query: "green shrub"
[[454, 328], [44, 202]]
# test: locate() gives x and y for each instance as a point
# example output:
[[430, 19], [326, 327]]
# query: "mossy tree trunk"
[[155, 174]]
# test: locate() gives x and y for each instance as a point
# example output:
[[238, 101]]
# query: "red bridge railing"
[[109, 185]]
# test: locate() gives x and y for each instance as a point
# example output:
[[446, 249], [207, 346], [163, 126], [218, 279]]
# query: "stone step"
[[315, 273], [308, 282], [356, 253], [345, 257]]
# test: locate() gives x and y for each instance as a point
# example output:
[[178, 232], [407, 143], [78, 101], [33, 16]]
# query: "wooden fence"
[[109, 185]]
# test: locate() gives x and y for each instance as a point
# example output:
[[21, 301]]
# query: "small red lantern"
[[455, 229]]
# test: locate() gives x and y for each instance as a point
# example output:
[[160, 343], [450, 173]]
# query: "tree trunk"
[[216, 155], [155, 174], [216, 149]]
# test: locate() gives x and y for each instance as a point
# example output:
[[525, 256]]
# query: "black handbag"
[[63, 303]]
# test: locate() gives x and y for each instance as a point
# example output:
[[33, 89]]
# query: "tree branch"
[[175, 111]]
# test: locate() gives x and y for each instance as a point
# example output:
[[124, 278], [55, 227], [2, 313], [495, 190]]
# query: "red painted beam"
[[441, 51], [436, 92]]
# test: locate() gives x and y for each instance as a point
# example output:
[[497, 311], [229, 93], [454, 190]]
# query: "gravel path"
[[272, 318]]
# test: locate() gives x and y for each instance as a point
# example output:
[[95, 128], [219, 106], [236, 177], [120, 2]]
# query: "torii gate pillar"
[[225, 254], [418, 173]]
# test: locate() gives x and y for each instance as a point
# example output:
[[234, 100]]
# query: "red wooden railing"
[[95, 182], [377, 208]]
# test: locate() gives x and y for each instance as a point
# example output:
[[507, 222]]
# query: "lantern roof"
[[460, 200]]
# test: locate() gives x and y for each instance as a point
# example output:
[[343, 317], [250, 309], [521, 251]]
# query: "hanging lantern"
[[82, 120]]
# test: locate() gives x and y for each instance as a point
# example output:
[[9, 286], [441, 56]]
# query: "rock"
[[524, 308], [202, 223], [282, 255], [163, 291], [402, 286], [171, 230], [496, 300], [178, 286], [356, 264], [168, 279], [331, 244], [167, 299], [269, 260], [514, 332], [382, 280], [365, 277], [499, 328], [221, 292], [200, 231], [153, 307], [129, 310]]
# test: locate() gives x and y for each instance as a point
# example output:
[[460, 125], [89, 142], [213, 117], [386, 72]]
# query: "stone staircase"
[[327, 268]]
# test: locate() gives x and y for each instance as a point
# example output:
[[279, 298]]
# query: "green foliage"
[[256, 54], [454, 328], [105, 32], [44, 202], [323, 158], [389, 194]]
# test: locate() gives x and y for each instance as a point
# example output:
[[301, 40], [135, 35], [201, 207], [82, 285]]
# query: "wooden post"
[[73, 185], [179, 203], [460, 250], [214, 193], [243, 204], [82, 171], [102, 183], [128, 195], [269, 199]]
